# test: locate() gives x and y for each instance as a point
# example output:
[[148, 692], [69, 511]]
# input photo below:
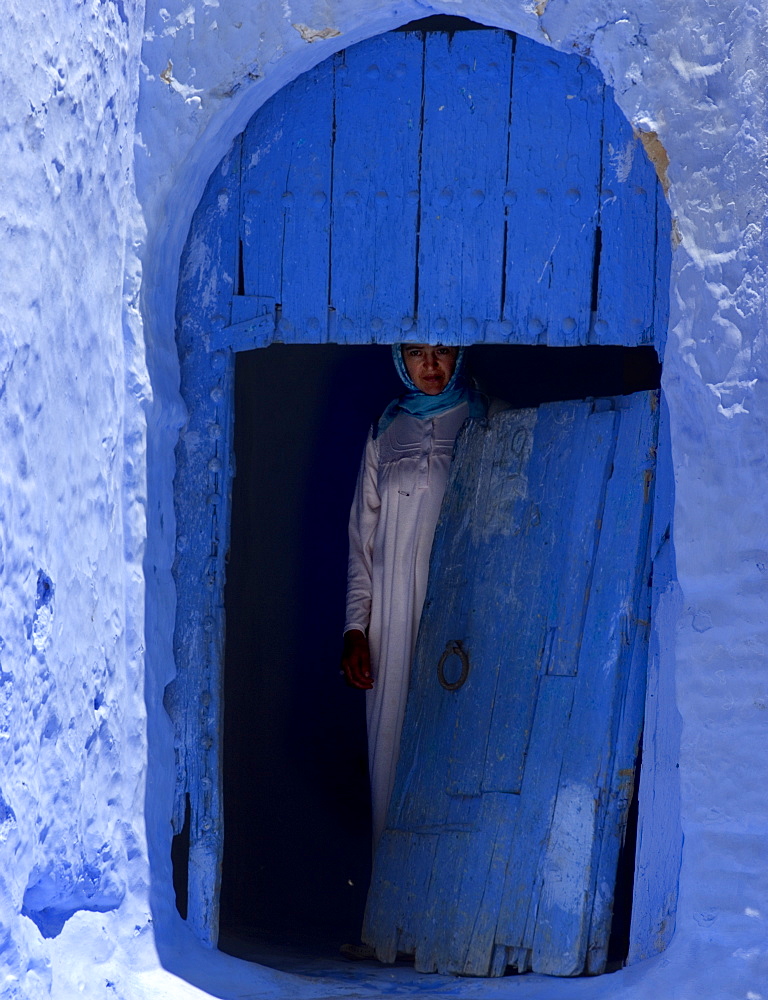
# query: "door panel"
[[287, 205], [378, 94], [468, 185], [552, 192], [627, 229], [518, 778], [461, 235]]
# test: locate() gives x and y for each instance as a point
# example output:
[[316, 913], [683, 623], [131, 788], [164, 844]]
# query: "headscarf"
[[422, 404]]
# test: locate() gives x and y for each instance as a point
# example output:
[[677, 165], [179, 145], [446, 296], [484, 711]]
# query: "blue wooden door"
[[526, 700], [473, 186], [469, 187]]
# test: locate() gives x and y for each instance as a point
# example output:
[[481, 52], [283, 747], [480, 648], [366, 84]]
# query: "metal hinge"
[[252, 324]]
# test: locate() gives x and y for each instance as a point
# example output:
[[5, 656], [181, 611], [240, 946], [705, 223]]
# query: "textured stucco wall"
[[72, 377], [85, 748]]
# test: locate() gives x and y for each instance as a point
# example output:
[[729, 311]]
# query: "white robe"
[[400, 488]]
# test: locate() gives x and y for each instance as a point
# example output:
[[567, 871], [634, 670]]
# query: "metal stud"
[[535, 326], [441, 325], [568, 324]]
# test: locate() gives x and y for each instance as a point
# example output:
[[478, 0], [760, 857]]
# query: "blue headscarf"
[[422, 405]]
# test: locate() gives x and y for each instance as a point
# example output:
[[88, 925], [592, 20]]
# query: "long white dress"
[[400, 487]]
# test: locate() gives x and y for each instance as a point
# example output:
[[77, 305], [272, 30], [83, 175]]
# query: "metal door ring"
[[453, 648]]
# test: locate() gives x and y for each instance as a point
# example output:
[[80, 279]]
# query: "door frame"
[[208, 340]]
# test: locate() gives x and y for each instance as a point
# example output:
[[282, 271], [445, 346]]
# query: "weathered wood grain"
[[521, 848], [600, 699], [377, 116], [202, 491], [287, 204], [552, 196], [461, 236], [626, 282]]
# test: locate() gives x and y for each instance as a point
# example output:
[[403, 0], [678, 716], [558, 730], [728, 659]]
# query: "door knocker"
[[453, 648]]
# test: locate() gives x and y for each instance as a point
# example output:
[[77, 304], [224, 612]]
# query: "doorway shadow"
[[297, 826]]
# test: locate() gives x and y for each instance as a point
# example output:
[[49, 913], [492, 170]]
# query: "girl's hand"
[[356, 660]]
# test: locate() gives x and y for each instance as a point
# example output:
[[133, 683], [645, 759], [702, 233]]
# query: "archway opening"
[[296, 859], [257, 893]]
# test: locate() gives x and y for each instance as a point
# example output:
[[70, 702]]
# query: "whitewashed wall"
[[72, 474], [86, 460]]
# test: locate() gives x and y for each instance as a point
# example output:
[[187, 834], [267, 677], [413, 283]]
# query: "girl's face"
[[430, 367]]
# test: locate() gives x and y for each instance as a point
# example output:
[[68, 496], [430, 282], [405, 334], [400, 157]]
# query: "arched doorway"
[[539, 241]]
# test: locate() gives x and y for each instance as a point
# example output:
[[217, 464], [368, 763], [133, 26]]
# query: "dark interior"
[[297, 826]]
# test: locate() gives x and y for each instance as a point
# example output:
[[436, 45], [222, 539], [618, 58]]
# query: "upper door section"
[[456, 187]]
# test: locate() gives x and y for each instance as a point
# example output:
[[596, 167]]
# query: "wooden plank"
[[286, 204], [552, 197], [569, 868], [593, 453], [203, 473], [466, 107], [545, 557], [474, 951], [265, 172], [663, 268], [621, 788], [548, 743], [307, 210], [419, 863], [378, 89], [659, 836], [381, 923], [503, 533], [627, 273], [430, 717], [437, 907]]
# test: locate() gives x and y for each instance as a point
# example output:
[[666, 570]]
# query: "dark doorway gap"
[[618, 943], [180, 863], [447, 23], [297, 830]]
